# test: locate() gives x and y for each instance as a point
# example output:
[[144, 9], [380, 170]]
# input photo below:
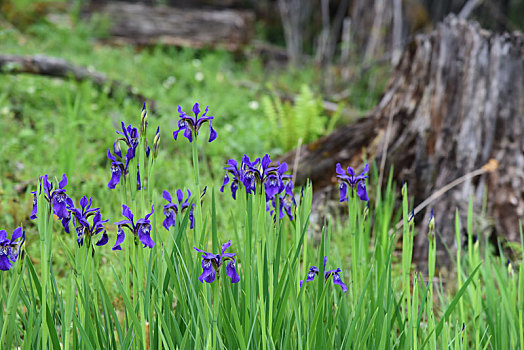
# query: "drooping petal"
[[188, 134], [273, 186], [116, 173], [226, 180], [35, 206], [208, 271], [65, 223], [59, 205], [144, 235], [170, 218], [343, 192], [5, 262], [212, 133], [338, 280], [361, 191], [234, 188], [103, 240], [175, 133], [313, 272], [119, 239], [232, 272]]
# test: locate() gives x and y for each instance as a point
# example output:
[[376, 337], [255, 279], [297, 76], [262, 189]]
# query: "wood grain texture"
[[140, 24], [456, 100]]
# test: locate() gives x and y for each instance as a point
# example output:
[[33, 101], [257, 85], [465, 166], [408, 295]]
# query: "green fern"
[[303, 120]]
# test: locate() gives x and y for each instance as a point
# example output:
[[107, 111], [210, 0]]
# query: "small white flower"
[[170, 81], [253, 105], [199, 76]]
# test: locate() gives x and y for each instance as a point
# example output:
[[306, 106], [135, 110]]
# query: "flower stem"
[[198, 211]]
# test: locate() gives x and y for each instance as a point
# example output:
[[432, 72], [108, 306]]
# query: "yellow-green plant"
[[305, 120]]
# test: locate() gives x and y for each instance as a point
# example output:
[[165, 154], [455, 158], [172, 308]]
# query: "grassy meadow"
[[63, 293]]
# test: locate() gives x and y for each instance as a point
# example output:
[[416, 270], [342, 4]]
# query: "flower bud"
[[156, 142]]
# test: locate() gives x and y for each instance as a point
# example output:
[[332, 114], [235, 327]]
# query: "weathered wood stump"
[[140, 24], [455, 101]]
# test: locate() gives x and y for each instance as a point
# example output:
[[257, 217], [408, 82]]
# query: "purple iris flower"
[[117, 169], [274, 180], [84, 228], [60, 202], [313, 272], [65, 221], [286, 202], [57, 198], [171, 209], [350, 179], [10, 248], [119, 163], [253, 175], [232, 169], [190, 125], [141, 230], [129, 135], [211, 264]]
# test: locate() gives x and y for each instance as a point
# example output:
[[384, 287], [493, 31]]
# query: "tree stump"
[[455, 101]]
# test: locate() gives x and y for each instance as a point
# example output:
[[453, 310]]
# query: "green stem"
[[12, 303], [198, 211]]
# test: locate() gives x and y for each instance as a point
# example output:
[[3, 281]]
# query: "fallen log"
[[140, 24], [60, 68], [455, 101]]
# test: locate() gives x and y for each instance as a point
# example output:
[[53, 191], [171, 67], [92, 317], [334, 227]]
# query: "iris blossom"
[[286, 201], [57, 198], [313, 272], [84, 228], [253, 175], [211, 264], [119, 163], [190, 125], [171, 209], [10, 248], [350, 179], [129, 135], [141, 230]]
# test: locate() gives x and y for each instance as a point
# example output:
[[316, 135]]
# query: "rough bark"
[[140, 24], [455, 101], [60, 68]]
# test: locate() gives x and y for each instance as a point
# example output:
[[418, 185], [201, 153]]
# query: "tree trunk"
[[139, 24], [455, 101]]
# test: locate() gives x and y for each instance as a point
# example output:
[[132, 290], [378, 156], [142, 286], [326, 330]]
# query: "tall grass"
[[160, 303]]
